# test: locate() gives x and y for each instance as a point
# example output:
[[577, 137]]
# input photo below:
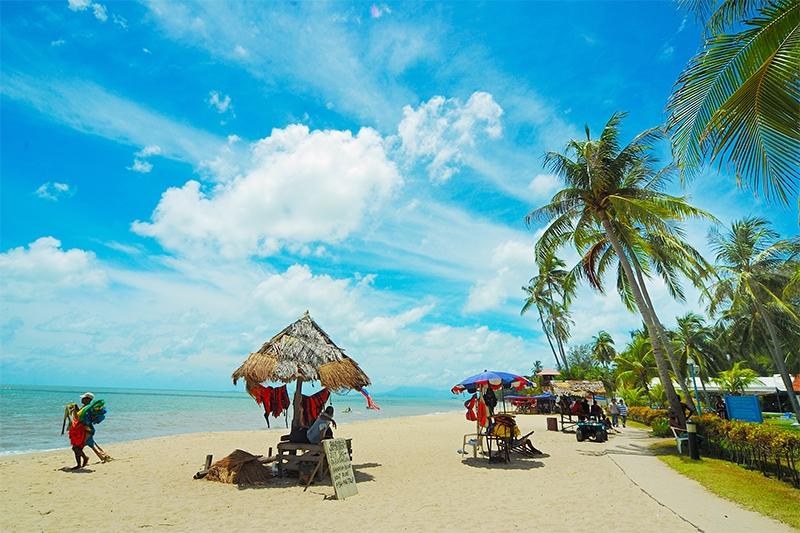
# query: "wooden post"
[[209, 457], [269, 453], [298, 405]]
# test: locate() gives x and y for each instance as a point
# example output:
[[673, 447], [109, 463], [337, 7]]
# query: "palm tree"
[[661, 251], [693, 340], [636, 365], [603, 348], [613, 190], [738, 98], [755, 267], [737, 379], [634, 397], [549, 291]]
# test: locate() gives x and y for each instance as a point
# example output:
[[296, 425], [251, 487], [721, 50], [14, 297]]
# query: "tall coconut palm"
[[613, 188], [636, 365], [662, 252], [536, 298], [550, 291], [692, 340], [603, 348], [754, 267], [738, 100]]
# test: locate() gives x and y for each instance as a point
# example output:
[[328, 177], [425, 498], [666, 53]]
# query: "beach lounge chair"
[[524, 446], [680, 437]]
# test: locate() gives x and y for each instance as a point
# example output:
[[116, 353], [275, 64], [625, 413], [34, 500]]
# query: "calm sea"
[[32, 415]]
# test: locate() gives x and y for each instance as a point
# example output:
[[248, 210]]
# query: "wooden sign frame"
[[340, 468]]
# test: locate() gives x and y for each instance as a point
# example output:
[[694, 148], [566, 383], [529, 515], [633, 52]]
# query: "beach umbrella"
[[493, 379], [302, 352]]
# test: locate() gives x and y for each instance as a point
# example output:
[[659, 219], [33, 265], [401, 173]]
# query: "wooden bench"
[[309, 454]]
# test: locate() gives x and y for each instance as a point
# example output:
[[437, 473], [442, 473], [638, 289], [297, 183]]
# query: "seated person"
[[321, 428], [596, 411], [579, 410]]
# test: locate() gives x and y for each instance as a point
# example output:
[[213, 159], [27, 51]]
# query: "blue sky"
[[180, 181]]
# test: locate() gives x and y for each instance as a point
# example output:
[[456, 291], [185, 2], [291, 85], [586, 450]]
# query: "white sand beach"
[[410, 478]]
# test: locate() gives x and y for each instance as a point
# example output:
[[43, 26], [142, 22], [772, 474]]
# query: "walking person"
[[613, 410], [89, 420], [623, 411]]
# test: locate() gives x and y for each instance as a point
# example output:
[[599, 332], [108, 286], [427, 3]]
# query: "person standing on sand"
[[613, 410], [623, 411]]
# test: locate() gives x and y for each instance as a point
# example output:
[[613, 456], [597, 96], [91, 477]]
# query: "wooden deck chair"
[[524, 446]]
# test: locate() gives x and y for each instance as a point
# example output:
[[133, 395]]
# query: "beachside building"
[[770, 389]]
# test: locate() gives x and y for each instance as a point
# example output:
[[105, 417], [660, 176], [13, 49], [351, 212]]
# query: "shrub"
[[770, 449], [645, 415], [661, 428]]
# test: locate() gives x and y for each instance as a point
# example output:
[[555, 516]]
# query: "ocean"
[[32, 415]]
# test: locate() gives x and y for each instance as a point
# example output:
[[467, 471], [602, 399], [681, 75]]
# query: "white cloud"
[[219, 102], [40, 268], [544, 185], [513, 265], [120, 21], [240, 51], [377, 11], [147, 51], [141, 166], [440, 130], [78, 5], [89, 108], [666, 52], [302, 186], [233, 138], [149, 150], [58, 42], [100, 12], [382, 329], [291, 293], [54, 191]]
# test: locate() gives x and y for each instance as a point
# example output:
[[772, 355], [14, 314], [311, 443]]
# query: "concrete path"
[[684, 497]]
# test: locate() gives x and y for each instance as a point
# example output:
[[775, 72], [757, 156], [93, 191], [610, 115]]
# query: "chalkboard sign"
[[743, 408], [342, 477]]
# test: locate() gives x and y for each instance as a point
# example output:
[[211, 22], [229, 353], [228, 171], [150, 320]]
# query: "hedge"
[[770, 449]]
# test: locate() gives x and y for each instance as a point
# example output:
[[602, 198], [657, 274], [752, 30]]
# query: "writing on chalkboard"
[[341, 470]]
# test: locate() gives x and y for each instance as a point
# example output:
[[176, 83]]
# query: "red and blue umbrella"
[[493, 379]]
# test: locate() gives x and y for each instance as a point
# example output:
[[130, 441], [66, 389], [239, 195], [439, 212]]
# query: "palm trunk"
[[561, 349], [558, 338], [780, 364], [297, 415], [647, 316], [662, 337], [547, 334]]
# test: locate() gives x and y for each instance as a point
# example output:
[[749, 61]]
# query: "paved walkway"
[[682, 496]]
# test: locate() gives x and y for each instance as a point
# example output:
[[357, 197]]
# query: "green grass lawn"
[[752, 490], [776, 420]]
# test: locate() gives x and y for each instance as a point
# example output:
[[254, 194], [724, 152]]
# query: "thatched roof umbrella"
[[302, 352]]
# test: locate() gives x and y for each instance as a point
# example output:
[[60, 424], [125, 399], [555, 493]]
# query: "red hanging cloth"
[[279, 400], [312, 406]]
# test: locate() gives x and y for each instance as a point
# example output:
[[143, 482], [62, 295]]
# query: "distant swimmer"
[[347, 410]]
